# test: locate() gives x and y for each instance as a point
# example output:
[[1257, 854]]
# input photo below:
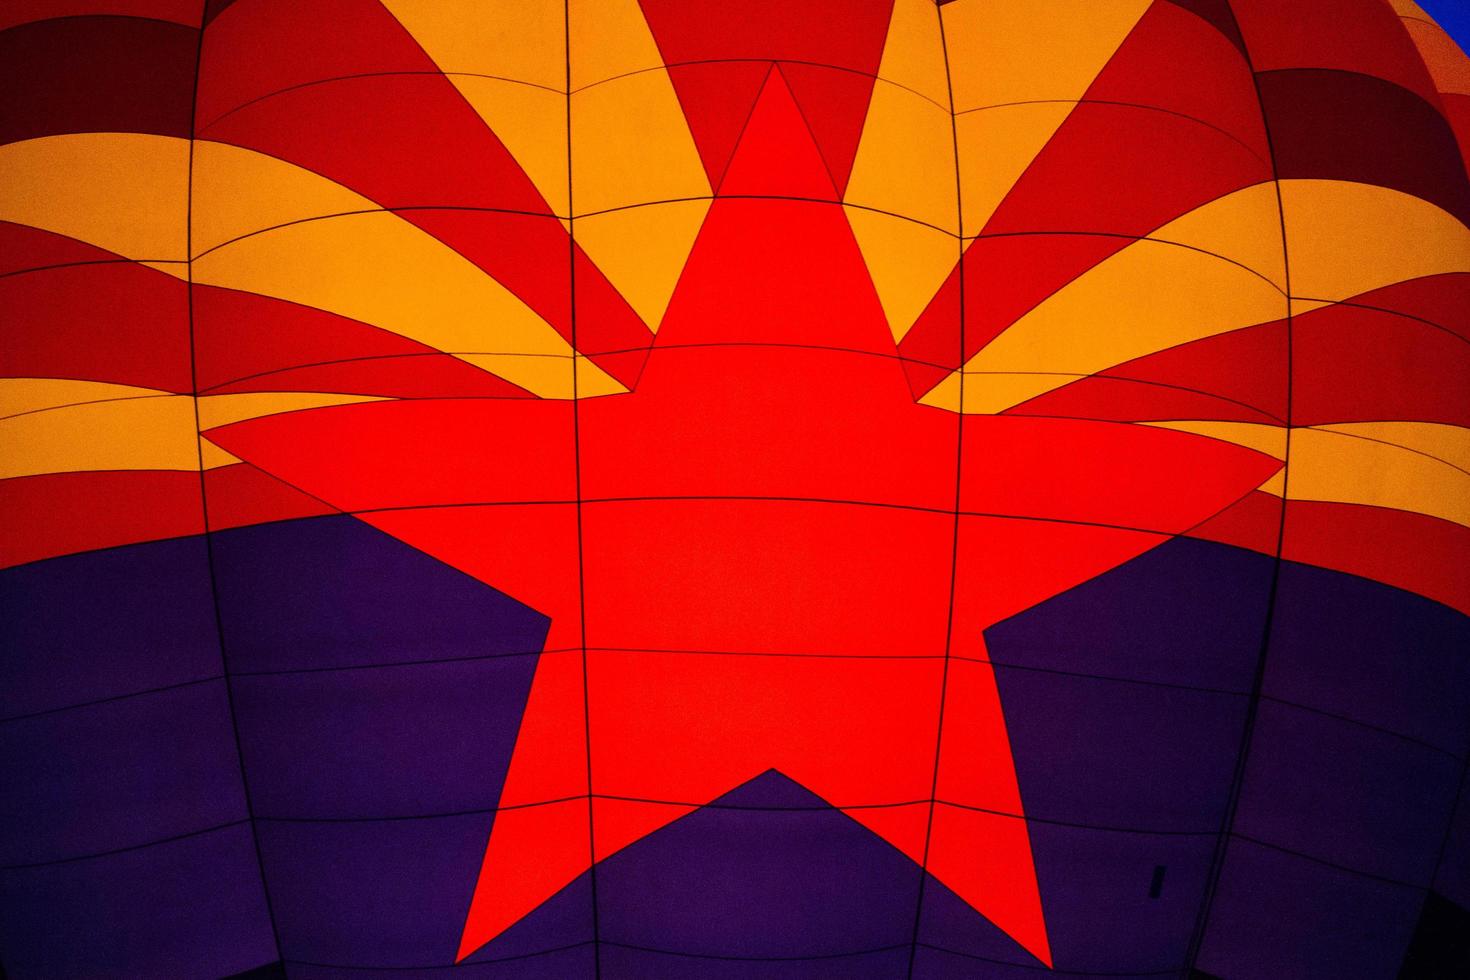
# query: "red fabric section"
[[184, 12], [1351, 35], [118, 322], [841, 33], [776, 155], [717, 98], [64, 513], [86, 74], [242, 340], [835, 105], [241, 494], [1354, 364], [1415, 552]]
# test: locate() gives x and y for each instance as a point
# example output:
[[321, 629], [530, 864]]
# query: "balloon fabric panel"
[[636, 488]]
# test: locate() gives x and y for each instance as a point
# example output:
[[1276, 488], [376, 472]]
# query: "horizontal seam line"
[[243, 821]]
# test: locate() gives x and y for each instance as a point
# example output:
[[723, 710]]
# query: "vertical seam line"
[[959, 470], [1242, 755], [204, 497]]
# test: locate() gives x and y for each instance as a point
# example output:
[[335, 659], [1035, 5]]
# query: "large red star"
[[765, 556]]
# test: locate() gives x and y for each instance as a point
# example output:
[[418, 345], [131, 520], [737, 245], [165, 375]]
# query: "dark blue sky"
[[1453, 16]]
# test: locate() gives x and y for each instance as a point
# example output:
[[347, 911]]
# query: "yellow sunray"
[[372, 266], [379, 269], [1418, 467], [1450, 443], [1044, 53], [21, 395], [532, 123], [905, 157], [141, 430], [1260, 436], [218, 410], [913, 51], [998, 54], [908, 263], [125, 434], [239, 192], [549, 376], [1001, 53], [608, 38], [127, 193], [996, 146], [900, 200], [905, 161], [1148, 297], [1243, 227], [520, 39], [642, 250], [508, 59], [1343, 239], [631, 145], [1332, 466], [1346, 238]]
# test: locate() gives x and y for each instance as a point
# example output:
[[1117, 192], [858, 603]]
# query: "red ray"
[[776, 155], [835, 105], [717, 97]]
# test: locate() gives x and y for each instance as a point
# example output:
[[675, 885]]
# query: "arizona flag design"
[[640, 488]]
